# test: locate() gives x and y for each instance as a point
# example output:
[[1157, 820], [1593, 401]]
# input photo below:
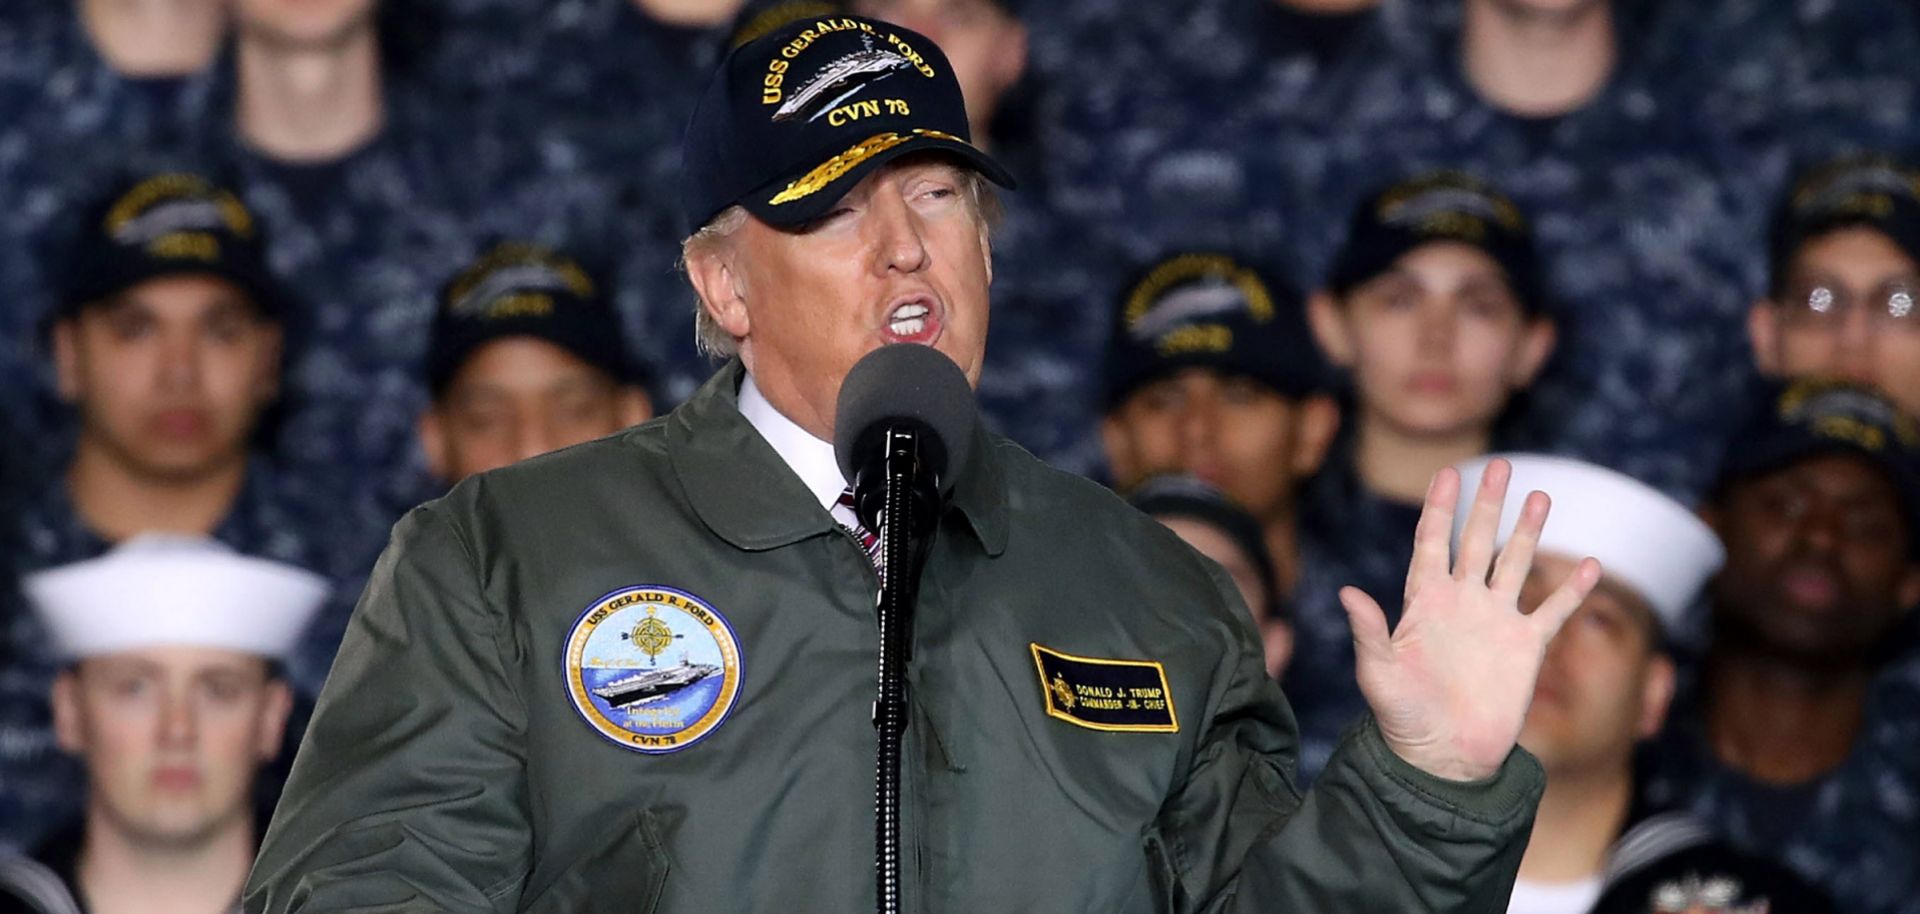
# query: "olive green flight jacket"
[[448, 769]]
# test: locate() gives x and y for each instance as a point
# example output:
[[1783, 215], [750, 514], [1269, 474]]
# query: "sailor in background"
[[173, 698], [1597, 846]]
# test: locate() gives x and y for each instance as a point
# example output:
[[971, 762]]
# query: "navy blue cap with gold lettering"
[[1203, 309], [1866, 190], [795, 118], [164, 225], [1442, 205], [1810, 417], [521, 289]]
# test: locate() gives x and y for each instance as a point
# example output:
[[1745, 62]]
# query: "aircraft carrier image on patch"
[[851, 72], [654, 685]]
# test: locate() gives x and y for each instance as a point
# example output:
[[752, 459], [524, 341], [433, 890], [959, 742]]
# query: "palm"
[[1451, 685]]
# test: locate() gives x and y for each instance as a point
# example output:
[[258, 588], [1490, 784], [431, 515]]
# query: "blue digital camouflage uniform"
[[1806, 80], [1854, 832], [1153, 130], [1649, 215], [1052, 295], [361, 244], [69, 127], [590, 100], [1164, 122], [1348, 535], [276, 515], [1650, 237]]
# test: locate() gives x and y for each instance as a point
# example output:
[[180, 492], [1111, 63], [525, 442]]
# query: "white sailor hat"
[[1643, 539], [157, 591]]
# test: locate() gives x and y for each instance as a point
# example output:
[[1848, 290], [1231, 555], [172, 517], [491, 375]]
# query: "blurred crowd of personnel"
[[277, 271]]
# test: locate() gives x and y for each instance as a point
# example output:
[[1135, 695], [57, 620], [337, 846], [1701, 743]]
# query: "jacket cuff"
[[1497, 800]]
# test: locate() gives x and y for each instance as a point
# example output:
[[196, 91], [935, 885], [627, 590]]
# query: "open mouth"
[[913, 320]]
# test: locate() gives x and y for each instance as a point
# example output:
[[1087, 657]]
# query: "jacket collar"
[[744, 492]]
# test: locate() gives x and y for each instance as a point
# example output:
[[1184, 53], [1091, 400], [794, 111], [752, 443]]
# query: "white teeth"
[[909, 319]]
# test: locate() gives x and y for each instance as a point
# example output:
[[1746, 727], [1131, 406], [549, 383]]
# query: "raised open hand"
[[1450, 686]]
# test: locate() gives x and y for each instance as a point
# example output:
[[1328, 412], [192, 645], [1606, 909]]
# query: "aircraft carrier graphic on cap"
[[854, 72]]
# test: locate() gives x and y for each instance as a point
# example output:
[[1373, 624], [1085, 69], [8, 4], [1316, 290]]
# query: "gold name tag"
[[1118, 695]]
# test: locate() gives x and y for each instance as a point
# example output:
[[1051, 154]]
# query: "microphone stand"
[[907, 492]]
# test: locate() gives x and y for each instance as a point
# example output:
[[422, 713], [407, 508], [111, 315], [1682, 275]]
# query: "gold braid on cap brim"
[[832, 169]]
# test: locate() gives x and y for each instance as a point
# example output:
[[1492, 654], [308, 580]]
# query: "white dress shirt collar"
[[810, 458]]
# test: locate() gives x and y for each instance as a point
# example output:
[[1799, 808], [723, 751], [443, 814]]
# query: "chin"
[[1433, 419], [179, 467]]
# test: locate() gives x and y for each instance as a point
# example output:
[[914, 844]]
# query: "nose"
[[1819, 530], [179, 367], [1436, 331], [897, 235], [1199, 423], [1853, 340], [179, 724], [535, 438]]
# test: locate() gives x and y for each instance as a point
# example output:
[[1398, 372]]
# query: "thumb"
[[1370, 636]]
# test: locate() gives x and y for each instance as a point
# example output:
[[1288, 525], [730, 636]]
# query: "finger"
[[1566, 598], [1516, 557], [1433, 535], [1483, 523], [1371, 639]]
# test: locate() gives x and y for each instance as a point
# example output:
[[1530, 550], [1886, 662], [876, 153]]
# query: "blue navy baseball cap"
[[1810, 418], [1204, 309], [1866, 190], [521, 289], [168, 224], [1435, 206], [795, 118]]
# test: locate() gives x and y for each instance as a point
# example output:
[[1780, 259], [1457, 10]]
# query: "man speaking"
[[638, 675]]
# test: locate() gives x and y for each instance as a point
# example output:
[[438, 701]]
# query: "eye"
[[1488, 307], [1899, 302], [222, 691], [1161, 398], [1872, 524], [1395, 297], [1240, 391], [226, 328], [483, 419], [578, 409], [1785, 505], [127, 327]]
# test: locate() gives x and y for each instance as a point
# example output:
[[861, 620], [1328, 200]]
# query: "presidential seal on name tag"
[[1105, 694], [652, 668]]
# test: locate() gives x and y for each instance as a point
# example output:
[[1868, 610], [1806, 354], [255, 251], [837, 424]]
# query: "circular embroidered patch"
[[652, 668]]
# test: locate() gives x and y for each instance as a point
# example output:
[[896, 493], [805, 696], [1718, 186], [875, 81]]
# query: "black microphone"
[[901, 431], [899, 391]]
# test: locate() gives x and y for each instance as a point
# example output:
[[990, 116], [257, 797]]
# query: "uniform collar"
[[746, 477]]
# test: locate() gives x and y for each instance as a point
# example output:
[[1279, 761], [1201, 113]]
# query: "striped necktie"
[[869, 540]]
